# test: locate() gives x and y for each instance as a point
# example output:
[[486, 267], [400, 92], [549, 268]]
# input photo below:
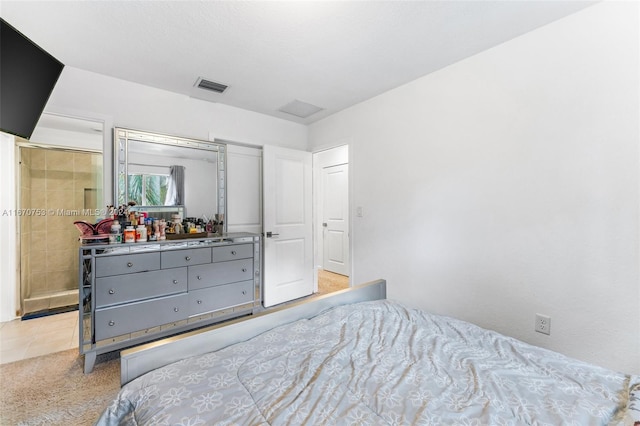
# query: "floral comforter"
[[378, 363]]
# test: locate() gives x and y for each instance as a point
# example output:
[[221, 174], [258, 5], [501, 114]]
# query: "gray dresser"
[[137, 292]]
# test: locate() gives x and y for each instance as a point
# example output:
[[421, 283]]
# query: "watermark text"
[[53, 212]]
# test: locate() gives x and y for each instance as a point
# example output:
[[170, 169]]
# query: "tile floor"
[[38, 336]]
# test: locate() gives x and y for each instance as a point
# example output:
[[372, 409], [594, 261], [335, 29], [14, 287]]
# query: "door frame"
[[318, 246]]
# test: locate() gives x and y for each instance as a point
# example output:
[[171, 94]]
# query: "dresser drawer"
[[178, 258], [123, 319], [224, 253], [213, 274], [127, 264], [219, 297], [143, 285]]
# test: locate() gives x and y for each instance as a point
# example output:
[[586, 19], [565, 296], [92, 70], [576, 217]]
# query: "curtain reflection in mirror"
[[175, 190]]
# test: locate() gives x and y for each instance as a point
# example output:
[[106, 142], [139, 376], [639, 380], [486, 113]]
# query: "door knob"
[[271, 234], [324, 224]]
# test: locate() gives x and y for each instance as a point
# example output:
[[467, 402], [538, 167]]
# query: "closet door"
[[335, 218], [244, 189]]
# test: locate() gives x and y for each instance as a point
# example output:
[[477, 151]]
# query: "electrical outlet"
[[543, 324]]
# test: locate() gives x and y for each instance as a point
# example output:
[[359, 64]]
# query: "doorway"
[[58, 185], [245, 203], [331, 223]]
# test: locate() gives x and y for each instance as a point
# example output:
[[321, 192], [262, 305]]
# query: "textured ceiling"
[[332, 54]]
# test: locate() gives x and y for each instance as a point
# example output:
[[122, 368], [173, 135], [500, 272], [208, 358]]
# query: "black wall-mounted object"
[[27, 77]]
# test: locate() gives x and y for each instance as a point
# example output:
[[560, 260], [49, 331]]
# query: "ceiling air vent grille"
[[211, 85]]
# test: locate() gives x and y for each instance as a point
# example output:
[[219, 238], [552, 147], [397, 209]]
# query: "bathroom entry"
[[57, 186]]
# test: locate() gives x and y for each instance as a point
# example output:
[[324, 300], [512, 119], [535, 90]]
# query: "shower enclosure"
[[57, 186]]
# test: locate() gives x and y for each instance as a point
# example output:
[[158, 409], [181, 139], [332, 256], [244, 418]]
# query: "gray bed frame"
[[139, 360]]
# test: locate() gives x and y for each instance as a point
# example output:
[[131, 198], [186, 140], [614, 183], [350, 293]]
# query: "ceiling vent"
[[300, 109], [211, 85]]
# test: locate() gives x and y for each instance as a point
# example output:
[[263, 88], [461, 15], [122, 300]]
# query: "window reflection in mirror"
[[158, 170], [149, 189]]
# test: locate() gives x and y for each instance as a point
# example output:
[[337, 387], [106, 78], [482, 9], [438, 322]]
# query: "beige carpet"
[[53, 390], [328, 282]]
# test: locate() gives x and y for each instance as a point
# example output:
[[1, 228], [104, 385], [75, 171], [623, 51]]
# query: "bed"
[[357, 358]]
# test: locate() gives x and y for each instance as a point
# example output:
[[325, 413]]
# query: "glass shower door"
[[57, 186]]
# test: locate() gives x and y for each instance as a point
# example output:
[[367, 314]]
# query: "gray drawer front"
[[178, 258], [224, 253], [219, 297], [213, 274], [143, 285], [117, 320], [127, 264]]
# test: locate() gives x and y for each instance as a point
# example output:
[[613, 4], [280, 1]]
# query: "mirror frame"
[[121, 138]]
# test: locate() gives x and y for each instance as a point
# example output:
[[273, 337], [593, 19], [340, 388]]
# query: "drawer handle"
[[188, 258], [244, 292], [199, 302], [112, 291], [175, 281], [198, 277], [112, 323], [244, 269], [233, 252], [129, 264], [175, 309]]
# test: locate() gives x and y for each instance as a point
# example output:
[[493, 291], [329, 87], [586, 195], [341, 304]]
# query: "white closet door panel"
[[244, 189]]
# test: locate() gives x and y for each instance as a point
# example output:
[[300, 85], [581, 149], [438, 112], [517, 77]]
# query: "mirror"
[[169, 174]]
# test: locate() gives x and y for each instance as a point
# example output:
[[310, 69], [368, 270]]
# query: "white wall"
[[8, 223], [507, 185], [68, 139], [123, 104], [140, 107]]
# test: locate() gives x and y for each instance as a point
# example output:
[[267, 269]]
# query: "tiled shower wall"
[[60, 184]]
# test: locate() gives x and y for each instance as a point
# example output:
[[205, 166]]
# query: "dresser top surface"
[[187, 243]]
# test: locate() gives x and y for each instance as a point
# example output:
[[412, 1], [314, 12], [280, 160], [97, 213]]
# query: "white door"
[[335, 218], [288, 241]]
